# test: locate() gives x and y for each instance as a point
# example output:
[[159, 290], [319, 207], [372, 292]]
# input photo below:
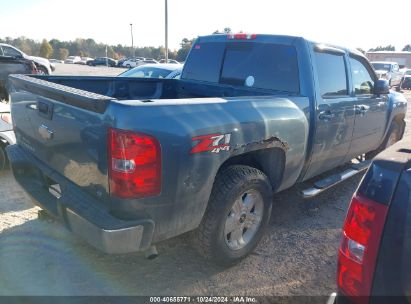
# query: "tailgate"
[[64, 128]]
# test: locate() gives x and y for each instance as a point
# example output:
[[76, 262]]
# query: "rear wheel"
[[237, 214]]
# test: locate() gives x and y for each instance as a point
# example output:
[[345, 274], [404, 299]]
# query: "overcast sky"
[[351, 23]]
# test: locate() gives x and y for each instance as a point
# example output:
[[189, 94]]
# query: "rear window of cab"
[[248, 64]]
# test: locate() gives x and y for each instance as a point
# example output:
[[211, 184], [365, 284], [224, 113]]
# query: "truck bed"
[[64, 122], [123, 88]]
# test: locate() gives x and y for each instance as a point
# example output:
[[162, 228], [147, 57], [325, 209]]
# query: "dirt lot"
[[76, 69], [296, 257]]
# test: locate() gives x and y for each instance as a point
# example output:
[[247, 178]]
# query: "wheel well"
[[400, 119], [270, 161]]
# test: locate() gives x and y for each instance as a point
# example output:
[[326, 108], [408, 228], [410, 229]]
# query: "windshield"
[[249, 64], [146, 72], [408, 72], [381, 66]]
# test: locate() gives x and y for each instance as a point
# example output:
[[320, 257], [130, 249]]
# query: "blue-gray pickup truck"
[[126, 163]]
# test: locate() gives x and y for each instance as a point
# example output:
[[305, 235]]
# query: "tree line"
[[390, 47], [58, 49]]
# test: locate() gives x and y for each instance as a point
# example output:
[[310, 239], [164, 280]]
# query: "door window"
[[363, 82], [332, 76]]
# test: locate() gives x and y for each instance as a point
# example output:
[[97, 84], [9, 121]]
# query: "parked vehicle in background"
[[72, 59], [13, 65], [102, 61], [121, 61], [7, 136], [169, 61], [43, 65], [138, 161], [389, 71], [150, 60], [374, 256], [168, 71], [406, 80], [133, 62], [56, 61], [84, 60]]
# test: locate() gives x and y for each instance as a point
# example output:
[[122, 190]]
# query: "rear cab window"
[[267, 66]]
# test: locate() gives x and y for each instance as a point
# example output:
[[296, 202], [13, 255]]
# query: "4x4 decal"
[[211, 143]]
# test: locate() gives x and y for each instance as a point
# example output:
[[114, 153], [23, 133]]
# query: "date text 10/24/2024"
[[203, 299]]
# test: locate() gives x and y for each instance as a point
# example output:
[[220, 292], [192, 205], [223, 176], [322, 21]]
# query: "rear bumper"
[[80, 213]]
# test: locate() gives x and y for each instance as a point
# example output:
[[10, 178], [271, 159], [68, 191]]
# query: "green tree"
[[185, 49], [361, 50], [46, 50], [90, 48], [23, 45], [382, 48], [407, 48], [226, 30], [63, 53]]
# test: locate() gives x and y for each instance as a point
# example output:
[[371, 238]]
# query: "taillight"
[[134, 164], [241, 36], [6, 117], [359, 247], [33, 68]]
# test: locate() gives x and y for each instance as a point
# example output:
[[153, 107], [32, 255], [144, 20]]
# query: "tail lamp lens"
[[6, 117], [357, 256], [134, 164]]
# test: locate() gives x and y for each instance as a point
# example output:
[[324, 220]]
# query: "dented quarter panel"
[[253, 124]]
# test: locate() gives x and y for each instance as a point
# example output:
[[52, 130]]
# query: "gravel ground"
[[77, 69], [296, 257]]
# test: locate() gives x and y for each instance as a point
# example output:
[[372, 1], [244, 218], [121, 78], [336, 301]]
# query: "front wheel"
[[238, 212]]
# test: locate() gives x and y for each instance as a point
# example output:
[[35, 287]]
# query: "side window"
[[8, 51], [332, 74], [363, 82]]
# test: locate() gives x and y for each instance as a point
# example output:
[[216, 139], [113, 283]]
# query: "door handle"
[[326, 115], [361, 109]]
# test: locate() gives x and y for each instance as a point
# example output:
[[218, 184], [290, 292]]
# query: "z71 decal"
[[211, 143]]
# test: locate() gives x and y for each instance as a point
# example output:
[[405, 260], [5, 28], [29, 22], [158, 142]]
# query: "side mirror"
[[381, 86]]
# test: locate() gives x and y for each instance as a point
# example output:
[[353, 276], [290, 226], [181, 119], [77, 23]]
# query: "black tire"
[[3, 159], [394, 134], [229, 186]]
